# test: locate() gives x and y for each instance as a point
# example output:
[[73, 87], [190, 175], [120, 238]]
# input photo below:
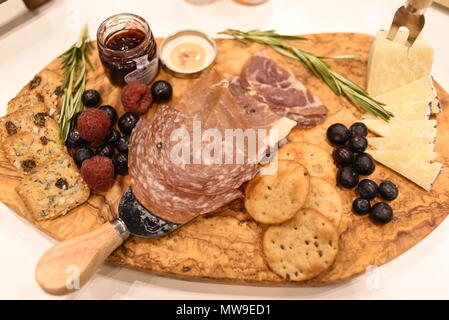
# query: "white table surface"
[[28, 41]]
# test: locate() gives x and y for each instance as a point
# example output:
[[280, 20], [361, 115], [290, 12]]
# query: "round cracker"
[[273, 199], [301, 248], [317, 161], [325, 199]]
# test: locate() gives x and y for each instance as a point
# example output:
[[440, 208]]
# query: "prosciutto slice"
[[267, 82]]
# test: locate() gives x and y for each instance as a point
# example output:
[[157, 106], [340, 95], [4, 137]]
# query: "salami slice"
[[192, 173], [167, 202]]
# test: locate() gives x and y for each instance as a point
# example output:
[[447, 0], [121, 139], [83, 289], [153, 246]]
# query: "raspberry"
[[98, 172], [136, 98], [93, 125]]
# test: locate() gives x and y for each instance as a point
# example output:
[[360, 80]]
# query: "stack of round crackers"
[[303, 209]]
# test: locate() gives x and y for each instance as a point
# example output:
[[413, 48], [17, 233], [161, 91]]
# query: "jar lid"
[[186, 53]]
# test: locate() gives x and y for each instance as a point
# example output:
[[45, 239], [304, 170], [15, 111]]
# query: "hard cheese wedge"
[[403, 128], [392, 64], [404, 156], [422, 89], [419, 110], [404, 144], [423, 174]]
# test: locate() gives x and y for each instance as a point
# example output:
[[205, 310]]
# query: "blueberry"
[[161, 91], [358, 144], [113, 138], [359, 129], [111, 113], [367, 189], [74, 139], [122, 144], [121, 164], [105, 150], [347, 178], [127, 122], [338, 134], [343, 156], [361, 206], [81, 155], [381, 213], [364, 164], [91, 98], [388, 191]]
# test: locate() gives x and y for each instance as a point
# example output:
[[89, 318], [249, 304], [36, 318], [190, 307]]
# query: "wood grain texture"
[[225, 247]]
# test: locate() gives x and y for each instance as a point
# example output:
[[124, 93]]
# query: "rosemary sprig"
[[317, 64], [74, 65]]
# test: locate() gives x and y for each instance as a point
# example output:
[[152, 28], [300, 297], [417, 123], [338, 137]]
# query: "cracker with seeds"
[[34, 120], [301, 248], [27, 151], [276, 198], [44, 87], [54, 189], [27, 101], [48, 80], [325, 199], [317, 161]]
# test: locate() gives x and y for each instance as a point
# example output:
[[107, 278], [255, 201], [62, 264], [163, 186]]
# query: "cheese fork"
[[411, 16]]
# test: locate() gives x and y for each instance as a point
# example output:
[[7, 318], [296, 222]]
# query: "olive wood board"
[[225, 247]]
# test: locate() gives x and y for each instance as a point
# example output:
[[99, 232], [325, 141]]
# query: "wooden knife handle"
[[419, 5], [69, 265]]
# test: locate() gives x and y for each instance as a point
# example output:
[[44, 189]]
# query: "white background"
[[28, 41]]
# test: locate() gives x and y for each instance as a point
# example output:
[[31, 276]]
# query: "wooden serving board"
[[225, 247]]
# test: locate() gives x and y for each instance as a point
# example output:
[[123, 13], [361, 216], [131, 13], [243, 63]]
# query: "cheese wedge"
[[396, 129], [404, 144], [392, 64], [404, 156], [415, 110], [422, 89], [423, 174]]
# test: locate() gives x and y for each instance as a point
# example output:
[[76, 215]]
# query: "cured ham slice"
[[264, 79]]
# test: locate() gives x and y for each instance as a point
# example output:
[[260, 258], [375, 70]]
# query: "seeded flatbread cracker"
[[34, 120], [27, 151], [276, 198], [44, 87], [47, 80], [301, 248], [27, 101], [54, 189], [318, 162], [325, 199]]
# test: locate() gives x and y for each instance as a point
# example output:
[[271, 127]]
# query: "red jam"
[[127, 50], [125, 40]]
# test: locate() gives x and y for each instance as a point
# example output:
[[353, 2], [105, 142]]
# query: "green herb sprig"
[[74, 65], [317, 64]]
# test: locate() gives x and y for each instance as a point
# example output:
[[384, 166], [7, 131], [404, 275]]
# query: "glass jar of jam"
[[127, 49]]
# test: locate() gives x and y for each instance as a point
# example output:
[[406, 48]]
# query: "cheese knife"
[[411, 16], [81, 257]]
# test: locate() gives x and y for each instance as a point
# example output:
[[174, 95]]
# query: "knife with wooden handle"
[[412, 17], [69, 265]]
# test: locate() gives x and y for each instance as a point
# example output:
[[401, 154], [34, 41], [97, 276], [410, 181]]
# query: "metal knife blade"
[[410, 16], [141, 222]]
